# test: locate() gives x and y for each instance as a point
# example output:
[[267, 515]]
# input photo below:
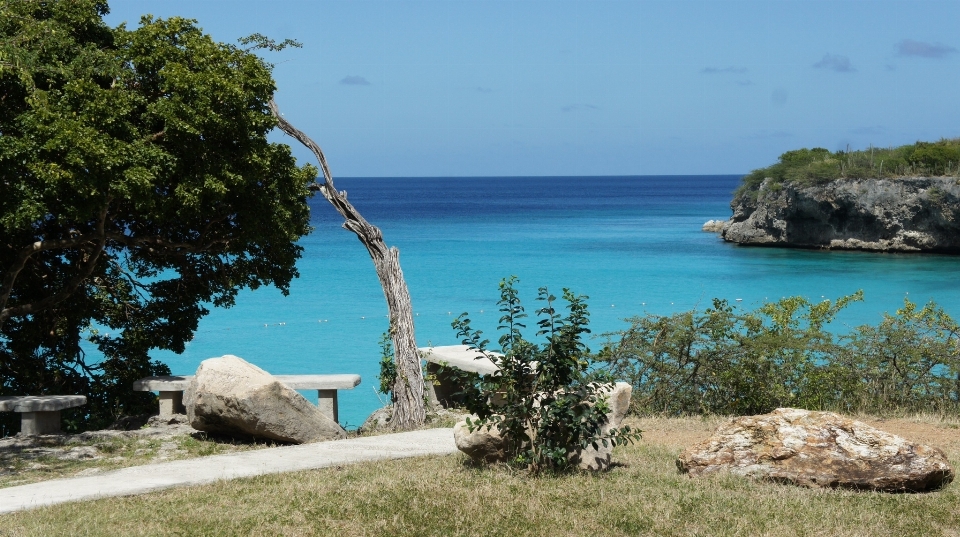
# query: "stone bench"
[[171, 390], [40, 414], [440, 359]]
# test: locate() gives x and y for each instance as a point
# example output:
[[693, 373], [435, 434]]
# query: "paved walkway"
[[152, 477]]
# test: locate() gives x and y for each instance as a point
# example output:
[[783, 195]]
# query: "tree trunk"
[[408, 388]]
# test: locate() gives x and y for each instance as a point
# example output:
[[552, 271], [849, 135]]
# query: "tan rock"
[[483, 444], [229, 395], [817, 449], [618, 398]]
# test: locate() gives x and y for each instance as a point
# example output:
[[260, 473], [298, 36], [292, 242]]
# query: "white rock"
[[231, 396]]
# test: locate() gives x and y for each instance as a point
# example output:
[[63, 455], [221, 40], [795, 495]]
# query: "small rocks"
[[817, 449], [80, 453]]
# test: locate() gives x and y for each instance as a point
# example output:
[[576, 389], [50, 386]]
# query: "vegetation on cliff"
[[808, 167]]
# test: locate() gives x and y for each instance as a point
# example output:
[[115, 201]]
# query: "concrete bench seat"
[[40, 414], [171, 389], [461, 357], [446, 386]]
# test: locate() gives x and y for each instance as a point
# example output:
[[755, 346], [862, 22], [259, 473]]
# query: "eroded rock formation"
[[905, 215]]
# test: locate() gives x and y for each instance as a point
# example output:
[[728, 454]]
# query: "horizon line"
[[529, 176]]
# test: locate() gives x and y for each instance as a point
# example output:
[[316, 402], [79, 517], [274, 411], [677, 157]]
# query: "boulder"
[[817, 449], [618, 398], [231, 396], [487, 444]]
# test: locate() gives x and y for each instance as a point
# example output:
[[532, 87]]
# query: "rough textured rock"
[[817, 449], [482, 445], [231, 396], [619, 400], [487, 445], [906, 215], [714, 226]]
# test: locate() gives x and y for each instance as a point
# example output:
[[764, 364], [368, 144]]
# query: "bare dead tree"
[[408, 387]]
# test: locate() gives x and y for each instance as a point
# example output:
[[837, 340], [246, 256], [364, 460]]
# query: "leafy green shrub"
[[940, 158], [911, 361], [540, 399], [388, 368], [806, 167], [726, 361]]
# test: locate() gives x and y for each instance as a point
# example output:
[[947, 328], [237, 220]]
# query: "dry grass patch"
[[643, 495]]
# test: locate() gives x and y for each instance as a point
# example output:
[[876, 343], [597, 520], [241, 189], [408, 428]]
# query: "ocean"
[[634, 245]]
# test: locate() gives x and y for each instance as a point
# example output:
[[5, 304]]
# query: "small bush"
[[726, 361], [540, 398]]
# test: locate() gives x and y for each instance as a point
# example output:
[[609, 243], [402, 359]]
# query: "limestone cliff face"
[[917, 214]]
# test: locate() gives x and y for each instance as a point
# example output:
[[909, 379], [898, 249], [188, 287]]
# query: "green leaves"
[[138, 161], [805, 167], [541, 398], [725, 361]]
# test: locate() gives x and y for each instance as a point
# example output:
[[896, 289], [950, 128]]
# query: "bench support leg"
[[328, 404], [34, 423], [171, 403]]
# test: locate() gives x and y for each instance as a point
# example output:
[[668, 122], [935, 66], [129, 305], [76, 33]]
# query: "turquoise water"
[[632, 244]]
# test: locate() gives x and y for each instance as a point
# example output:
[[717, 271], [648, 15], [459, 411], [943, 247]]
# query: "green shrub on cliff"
[[807, 167]]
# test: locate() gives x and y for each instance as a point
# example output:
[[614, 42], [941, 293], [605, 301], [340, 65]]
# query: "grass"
[[92, 455], [642, 495]]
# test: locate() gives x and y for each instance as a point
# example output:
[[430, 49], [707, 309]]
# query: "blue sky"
[[627, 87]]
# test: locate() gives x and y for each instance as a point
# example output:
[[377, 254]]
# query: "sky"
[[417, 88]]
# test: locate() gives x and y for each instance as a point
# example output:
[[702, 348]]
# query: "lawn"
[[642, 495]]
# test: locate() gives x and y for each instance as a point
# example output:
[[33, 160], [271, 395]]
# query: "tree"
[[136, 187], [408, 387]]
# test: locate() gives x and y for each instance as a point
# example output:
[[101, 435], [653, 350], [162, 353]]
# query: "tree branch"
[[86, 269]]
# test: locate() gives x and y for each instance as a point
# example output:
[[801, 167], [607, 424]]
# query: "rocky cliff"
[[915, 214]]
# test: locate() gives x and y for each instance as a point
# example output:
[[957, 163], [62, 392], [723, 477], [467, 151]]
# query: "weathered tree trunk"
[[408, 388]]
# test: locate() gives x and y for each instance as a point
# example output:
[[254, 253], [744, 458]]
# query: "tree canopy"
[[137, 186]]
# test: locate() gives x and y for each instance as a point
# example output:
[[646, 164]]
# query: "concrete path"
[[152, 477]]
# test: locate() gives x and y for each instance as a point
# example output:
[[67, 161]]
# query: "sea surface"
[[634, 245]]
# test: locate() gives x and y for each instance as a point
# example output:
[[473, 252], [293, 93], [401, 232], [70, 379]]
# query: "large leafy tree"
[[136, 186]]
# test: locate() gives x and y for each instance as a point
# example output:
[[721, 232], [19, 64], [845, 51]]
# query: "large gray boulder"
[[487, 444], [817, 449], [231, 396]]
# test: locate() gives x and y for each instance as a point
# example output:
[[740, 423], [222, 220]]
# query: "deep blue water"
[[632, 244]]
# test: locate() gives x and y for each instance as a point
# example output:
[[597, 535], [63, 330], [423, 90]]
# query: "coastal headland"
[[920, 214]]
